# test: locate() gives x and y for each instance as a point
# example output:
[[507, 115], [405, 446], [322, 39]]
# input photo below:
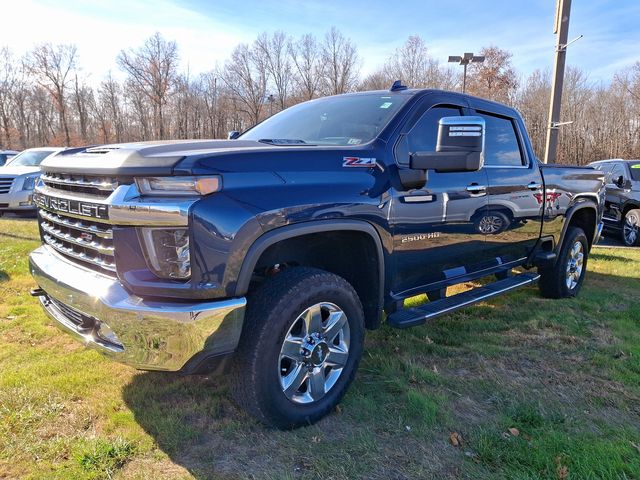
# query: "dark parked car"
[[276, 250], [622, 203]]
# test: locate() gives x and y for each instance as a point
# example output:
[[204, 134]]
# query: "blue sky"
[[206, 31]]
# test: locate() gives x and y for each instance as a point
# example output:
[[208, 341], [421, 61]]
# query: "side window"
[[424, 134], [606, 169], [617, 172], [501, 146]]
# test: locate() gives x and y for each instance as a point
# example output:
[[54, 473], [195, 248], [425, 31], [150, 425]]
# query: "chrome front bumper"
[[146, 334]]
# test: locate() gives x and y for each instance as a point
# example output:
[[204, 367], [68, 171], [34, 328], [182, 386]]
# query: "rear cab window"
[[502, 146]]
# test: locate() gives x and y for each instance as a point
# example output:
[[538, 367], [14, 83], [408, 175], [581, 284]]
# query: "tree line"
[[46, 100]]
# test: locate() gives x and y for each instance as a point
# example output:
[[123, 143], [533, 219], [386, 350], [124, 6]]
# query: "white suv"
[[18, 178]]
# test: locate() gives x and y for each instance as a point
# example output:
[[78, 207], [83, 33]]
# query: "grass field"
[[527, 388]]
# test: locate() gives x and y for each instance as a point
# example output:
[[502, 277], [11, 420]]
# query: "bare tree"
[[51, 67], [273, 49], [340, 58], [8, 83], [152, 68], [245, 75], [412, 64], [309, 69]]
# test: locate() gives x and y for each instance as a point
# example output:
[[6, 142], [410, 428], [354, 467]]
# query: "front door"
[[435, 239]]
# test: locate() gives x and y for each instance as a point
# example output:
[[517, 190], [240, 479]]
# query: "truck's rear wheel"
[[565, 278], [631, 228], [300, 348]]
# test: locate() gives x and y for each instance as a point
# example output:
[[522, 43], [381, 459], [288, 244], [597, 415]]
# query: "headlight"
[[30, 182], [179, 185], [166, 251]]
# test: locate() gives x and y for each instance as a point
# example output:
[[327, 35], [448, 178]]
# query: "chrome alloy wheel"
[[574, 265], [630, 229], [490, 224], [314, 353]]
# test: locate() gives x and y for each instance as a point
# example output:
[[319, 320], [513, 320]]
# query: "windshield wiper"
[[283, 141]]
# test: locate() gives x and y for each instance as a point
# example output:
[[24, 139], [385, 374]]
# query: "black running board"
[[411, 317]]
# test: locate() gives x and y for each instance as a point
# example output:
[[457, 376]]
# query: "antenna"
[[397, 86]]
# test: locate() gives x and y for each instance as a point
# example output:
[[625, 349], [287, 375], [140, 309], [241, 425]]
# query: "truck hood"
[[143, 158], [17, 170]]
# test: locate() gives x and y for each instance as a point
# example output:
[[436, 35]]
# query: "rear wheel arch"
[[583, 214], [349, 248]]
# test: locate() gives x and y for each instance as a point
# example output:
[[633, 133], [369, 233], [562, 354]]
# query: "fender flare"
[[276, 235], [580, 204]]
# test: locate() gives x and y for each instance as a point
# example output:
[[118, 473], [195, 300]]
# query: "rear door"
[[434, 237], [515, 195]]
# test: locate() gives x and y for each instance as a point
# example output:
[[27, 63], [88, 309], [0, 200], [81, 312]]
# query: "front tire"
[[631, 228], [300, 348], [565, 278]]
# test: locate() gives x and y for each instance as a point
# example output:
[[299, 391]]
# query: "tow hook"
[[37, 292]]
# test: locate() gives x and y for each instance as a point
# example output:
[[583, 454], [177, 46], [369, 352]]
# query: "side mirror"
[[460, 147], [620, 182], [233, 134]]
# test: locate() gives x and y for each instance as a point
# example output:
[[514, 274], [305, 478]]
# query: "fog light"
[[166, 252]]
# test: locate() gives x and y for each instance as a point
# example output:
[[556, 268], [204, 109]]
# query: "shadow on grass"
[[4, 276], [183, 413], [20, 237], [192, 420], [607, 257]]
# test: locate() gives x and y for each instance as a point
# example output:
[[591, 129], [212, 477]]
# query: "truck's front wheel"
[[300, 347]]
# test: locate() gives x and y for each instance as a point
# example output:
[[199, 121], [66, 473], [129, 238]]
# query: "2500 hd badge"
[[73, 207]]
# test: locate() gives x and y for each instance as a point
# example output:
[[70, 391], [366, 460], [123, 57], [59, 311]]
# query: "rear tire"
[[631, 228], [290, 370], [492, 223], [565, 278]]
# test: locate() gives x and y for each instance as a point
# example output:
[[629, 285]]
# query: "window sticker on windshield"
[[354, 141], [386, 104], [637, 165]]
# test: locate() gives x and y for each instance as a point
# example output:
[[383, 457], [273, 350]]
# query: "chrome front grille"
[[83, 240], [5, 184], [87, 184]]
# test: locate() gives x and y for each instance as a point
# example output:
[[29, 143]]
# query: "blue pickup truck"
[[271, 253]]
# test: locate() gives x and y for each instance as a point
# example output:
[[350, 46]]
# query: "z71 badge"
[[359, 162]]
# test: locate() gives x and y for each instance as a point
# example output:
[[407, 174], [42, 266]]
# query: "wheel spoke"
[[291, 348], [313, 320], [337, 357], [335, 323], [317, 381], [291, 383]]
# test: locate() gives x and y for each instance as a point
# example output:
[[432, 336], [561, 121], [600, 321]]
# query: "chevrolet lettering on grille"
[[73, 207]]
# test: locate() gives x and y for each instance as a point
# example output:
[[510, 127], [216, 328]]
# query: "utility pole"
[[561, 29]]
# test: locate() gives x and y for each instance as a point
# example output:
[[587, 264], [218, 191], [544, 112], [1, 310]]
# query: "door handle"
[[534, 186], [475, 188]]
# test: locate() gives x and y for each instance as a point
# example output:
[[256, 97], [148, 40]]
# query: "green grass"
[[565, 374]]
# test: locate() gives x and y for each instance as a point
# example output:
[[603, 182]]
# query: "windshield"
[[340, 120], [635, 170], [28, 158]]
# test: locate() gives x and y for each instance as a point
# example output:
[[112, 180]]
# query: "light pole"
[[464, 60], [271, 99]]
